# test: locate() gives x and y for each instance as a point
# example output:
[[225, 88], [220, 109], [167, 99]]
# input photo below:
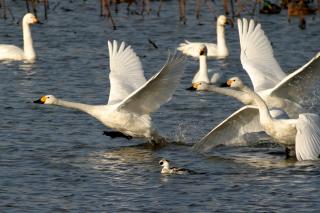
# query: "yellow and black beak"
[[193, 87], [35, 20], [202, 52], [42, 100], [229, 82]]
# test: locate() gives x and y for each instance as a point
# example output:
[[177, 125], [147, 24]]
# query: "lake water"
[[57, 160]]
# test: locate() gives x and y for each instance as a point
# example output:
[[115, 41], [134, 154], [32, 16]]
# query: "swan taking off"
[[11, 52], [132, 99], [303, 132], [173, 170], [278, 90], [219, 50]]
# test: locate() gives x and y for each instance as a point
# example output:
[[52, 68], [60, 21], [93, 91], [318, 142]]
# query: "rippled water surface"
[[57, 160]]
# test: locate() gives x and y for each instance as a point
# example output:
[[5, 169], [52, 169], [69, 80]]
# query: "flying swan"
[[219, 50], [132, 99], [301, 134], [278, 90], [11, 52]]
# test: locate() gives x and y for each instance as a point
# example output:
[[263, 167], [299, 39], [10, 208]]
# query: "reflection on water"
[[57, 160]]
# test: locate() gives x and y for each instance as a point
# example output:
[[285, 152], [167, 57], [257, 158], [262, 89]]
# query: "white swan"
[[265, 73], [303, 132], [132, 99], [219, 50], [11, 52], [202, 73]]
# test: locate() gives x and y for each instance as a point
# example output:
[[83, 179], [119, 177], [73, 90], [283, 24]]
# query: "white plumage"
[[302, 133], [11, 52], [219, 50], [132, 99], [275, 88]]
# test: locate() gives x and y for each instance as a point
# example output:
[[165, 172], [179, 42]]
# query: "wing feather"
[[126, 73], [308, 137], [298, 85], [245, 120], [257, 56], [157, 90], [192, 48]]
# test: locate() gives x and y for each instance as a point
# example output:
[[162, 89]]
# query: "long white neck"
[[202, 75], [239, 95], [264, 113], [221, 40], [73, 105], [27, 42]]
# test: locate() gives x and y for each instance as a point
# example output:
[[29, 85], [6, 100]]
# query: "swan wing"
[[308, 137], [126, 72], [298, 84], [257, 56], [244, 120], [157, 90], [192, 48]]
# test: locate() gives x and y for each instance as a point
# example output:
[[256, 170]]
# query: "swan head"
[[29, 18], [223, 20], [201, 86], [203, 50], [164, 163], [47, 99], [235, 82]]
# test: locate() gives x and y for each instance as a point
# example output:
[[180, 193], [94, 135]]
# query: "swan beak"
[[229, 82], [193, 87], [35, 21], [42, 100], [224, 84]]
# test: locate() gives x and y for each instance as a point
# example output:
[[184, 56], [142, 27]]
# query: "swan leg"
[[114, 134]]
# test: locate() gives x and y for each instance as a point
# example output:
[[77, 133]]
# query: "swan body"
[[173, 170], [278, 90], [285, 131], [132, 99], [219, 50], [11, 52]]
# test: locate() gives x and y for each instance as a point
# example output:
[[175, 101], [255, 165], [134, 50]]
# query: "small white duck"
[[173, 170]]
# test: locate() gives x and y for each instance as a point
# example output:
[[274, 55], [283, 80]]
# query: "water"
[[57, 160]]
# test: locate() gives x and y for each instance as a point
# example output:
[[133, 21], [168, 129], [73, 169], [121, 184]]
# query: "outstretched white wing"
[[298, 84], [192, 48], [126, 73], [245, 120], [157, 90], [308, 137], [257, 56]]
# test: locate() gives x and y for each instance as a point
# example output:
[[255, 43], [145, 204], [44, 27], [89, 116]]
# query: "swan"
[[132, 99], [202, 73], [303, 133], [219, 50], [11, 52], [173, 170], [278, 90]]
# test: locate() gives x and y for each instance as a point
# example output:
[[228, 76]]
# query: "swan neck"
[[263, 108], [203, 67], [27, 41], [73, 105], [221, 41], [228, 92]]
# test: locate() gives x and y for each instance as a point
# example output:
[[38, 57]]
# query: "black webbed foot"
[[114, 134]]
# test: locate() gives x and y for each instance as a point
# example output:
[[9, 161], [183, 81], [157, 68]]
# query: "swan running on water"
[[302, 133], [278, 90], [219, 50], [11, 52], [132, 99]]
